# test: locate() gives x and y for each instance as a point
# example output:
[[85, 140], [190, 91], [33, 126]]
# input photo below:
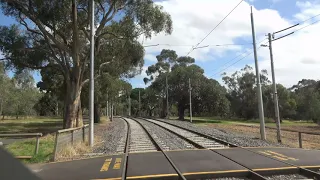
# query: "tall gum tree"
[[55, 34]]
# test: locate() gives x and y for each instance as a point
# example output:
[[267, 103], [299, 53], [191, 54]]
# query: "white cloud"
[[150, 57], [295, 56]]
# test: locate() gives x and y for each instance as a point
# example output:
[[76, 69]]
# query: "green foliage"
[[208, 96], [54, 35], [27, 148], [18, 94]]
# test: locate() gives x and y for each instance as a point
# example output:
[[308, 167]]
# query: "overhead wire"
[[246, 55], [214, 28], [306, 26], [242, 55]]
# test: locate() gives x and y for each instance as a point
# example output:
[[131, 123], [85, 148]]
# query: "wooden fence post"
[[300, 140], [37, 145], [83, 133], [72, 137], [55, 146]]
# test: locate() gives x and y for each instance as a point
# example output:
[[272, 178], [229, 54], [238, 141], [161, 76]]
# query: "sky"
[[295, 56]]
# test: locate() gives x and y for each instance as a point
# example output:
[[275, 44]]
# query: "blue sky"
[[295, 56]]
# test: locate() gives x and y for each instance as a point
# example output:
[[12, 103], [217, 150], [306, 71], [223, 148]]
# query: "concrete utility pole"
[[275, 93], [167, 96], [260, 101], [129, 105], [111, 112], [139, 105], [91, 96], [190, 89]]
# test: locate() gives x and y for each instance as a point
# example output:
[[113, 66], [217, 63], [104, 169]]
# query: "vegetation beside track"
[[42, 125], [27, 148]]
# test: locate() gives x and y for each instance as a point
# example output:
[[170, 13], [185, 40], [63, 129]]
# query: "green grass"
[[30, 125], [269, 122], [27, 148]]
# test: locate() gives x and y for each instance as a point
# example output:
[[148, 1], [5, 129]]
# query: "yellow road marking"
[[149, 176], [281, 168], [281, 158], [215, 172], [318, 166], [106, 165], [143, 152], [117, 164], [277, 155]]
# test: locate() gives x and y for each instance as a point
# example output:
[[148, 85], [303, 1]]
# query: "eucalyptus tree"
[[55, 34]]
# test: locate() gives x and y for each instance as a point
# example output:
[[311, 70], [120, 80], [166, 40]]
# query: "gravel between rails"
[[139, 139], [286, 177], [112, 136], [230, 178], [207, 143], [166, 139], [237, 139]]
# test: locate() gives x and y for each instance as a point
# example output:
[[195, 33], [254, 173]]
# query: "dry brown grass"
[[77, 151], [288, 138]]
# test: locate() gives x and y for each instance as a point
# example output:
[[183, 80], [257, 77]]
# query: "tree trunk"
[[181, 111], [73, 111], [96, 113], [164, 108], [1, 103]]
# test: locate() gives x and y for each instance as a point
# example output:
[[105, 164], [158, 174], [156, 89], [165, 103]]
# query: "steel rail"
[[253, 175], [126, 152], [306, 172], [181, 176]]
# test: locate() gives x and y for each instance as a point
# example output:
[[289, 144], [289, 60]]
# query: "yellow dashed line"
[[106, 165]]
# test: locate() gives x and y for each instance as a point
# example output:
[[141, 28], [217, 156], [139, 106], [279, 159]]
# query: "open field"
[[288, 138], [30, 125]]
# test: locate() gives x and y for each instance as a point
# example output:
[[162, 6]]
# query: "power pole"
[[167, 96], [111, 112], [91, 96], [129, 105], [260, 101], [139, 105], [275, 93], [190, 100]]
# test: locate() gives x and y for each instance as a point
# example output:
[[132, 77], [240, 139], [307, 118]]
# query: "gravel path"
[[110, 136], [166, 139], [237, 139]]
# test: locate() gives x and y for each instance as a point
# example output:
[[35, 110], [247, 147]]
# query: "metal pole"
[[139, 105], [91, 98], [260, 101], [108, 104], [111, 112], [275, 94], [167, 96], [190, 102], [129, 105]]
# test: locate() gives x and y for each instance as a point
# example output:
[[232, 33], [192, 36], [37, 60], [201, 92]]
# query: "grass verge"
[[27, 148], [44, 125]]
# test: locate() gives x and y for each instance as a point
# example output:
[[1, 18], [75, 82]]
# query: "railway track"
[[140, 137], [195, 139]]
